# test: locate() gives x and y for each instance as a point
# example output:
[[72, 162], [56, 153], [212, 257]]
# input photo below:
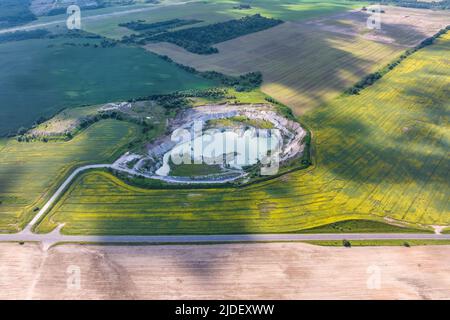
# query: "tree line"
[[373, 77], [200, 39], [23, 35], [245, 82], [161, 26]]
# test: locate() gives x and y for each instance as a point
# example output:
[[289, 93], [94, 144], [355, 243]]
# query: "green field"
[[31, 172], [300, 76], [381, 154], [361, 226], [309, 62], [39, 77], [383, 243], [211, 11], [299, 9], [15, 12]]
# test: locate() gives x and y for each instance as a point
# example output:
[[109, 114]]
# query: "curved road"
[[54, 237], [60, 190], [49, 239]]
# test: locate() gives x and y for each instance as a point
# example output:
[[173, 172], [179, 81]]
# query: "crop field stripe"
[[379, 154], [63, 75], [31, 172]]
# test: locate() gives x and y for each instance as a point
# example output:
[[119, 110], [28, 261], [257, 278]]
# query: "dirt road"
[[233, 271]]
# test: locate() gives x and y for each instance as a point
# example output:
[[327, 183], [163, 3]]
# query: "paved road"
[[68, 181], [88, 18], [60, 190], [54, 237], [47, 240]]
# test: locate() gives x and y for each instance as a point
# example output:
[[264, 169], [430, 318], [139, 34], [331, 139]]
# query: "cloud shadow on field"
[[304, 65], [348, 127], [8, 194], [337, 64]]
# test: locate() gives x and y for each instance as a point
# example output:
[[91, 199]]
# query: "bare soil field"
[[306, 64], [402, 26], [233, 271]]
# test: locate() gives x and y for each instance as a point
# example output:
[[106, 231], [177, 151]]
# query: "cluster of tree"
[[84, 123], [27, 138], [200, 39], [246, 82], [441, 5], [282, 109], [22, 130], [23, 35], [116, 115], [160, 26], [373, 77], [76, 34], [80, 34], [172, 101], [108, 43], [15, 12], [365, 82], [180, 99], [103, 44], [22, 136], [212, 93], [373, 10], [149, 30], [307, 160], [242, 7], [134, 39]]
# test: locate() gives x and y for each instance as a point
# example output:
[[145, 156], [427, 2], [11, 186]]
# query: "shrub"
[[346, 243]]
